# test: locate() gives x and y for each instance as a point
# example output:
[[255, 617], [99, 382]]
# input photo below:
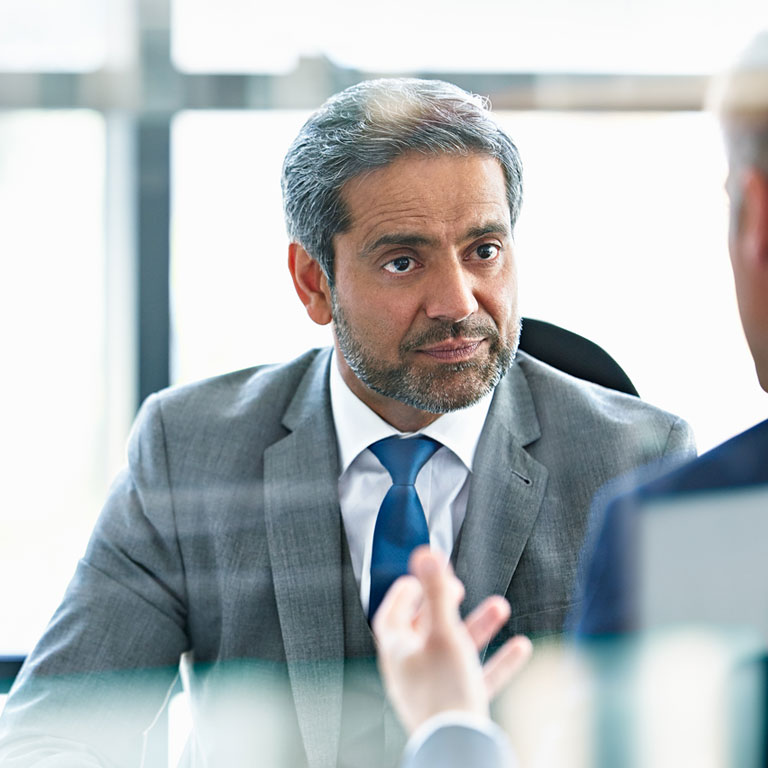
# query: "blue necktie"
[[400, 525]]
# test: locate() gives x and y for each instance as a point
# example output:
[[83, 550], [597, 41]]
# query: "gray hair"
[[368, 126]]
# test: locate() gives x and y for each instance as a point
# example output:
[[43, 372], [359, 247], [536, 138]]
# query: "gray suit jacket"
[[222, 541]]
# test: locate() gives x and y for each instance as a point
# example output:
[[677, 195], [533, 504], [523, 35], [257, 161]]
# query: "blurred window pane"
[[233, 301], [622, 238], [633, 36], [54, 440], [49, 35]]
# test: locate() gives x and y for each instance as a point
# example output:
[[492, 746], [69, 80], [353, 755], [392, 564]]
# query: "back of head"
[[740, 99], [368, 126]]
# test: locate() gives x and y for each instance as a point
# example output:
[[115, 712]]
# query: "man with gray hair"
[[264, 514]]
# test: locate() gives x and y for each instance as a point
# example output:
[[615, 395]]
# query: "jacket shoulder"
[[235, 393], [239, 406], [560, 395], [739, 462]]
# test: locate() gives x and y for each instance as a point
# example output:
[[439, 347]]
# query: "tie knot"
[[403, 458]]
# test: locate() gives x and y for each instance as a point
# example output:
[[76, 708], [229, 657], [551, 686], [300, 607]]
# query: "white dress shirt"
[[442, 484]]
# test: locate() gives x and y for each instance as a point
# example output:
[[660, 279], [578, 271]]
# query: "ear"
[[310, 283], [749, 258], [753, 220]]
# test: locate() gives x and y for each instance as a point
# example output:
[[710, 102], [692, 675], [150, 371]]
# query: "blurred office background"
[[141, 233]]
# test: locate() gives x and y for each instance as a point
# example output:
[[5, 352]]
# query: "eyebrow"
[[397, 238], [491, 228], [410, 239]]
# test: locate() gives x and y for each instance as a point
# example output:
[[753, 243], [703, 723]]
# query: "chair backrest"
[[9, 668], [573, 354]]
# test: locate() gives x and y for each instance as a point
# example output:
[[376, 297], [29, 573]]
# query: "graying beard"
[[399, 385]]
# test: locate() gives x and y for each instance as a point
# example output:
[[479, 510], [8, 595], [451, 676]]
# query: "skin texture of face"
[[748, 246], [425, 297]]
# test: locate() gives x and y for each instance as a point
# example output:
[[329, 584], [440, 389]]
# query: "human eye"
[[401, 265], [487, 251]]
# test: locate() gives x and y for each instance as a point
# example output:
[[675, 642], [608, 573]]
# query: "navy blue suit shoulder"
[[740, 461], [609, 564]]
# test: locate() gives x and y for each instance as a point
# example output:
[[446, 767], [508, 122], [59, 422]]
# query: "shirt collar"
[[357, 426]]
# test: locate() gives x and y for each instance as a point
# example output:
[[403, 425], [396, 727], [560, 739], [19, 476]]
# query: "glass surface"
[[54, 443], [48, 35], [639, 36], [622, 239]]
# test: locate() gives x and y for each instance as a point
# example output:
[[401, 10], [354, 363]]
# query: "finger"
[[457, 589], [431, 568], [398, 607], [487, 619], [506, 663]]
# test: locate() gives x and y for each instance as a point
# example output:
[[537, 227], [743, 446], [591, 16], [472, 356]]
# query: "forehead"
[[420, 193]]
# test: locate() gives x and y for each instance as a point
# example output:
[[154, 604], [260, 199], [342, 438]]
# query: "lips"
[[453, 350]]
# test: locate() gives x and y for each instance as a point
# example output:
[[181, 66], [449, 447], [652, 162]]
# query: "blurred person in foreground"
[[741, 99], [257, 525], [413, 666], [432, 672]]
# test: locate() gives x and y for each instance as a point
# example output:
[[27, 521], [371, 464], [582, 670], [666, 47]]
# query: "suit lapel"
[[506, 492], [304, 536]]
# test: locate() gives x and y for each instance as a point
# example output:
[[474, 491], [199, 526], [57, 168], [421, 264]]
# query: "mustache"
[[443, 330]]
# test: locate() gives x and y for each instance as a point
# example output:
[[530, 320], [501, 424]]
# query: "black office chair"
[[573, 354], [9, 668]]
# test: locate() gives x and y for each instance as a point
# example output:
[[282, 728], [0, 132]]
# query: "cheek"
[[390, 312], [501, 302], [380, 320], [388, 322]]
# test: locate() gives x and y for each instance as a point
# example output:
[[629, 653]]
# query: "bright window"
[[48, 35], [56, 442], [636, 36], [232, 297], [623, 238]]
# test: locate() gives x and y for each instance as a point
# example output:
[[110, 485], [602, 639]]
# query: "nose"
[[451, 294]]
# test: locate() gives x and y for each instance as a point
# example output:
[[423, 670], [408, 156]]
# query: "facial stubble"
[[434, 389]]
